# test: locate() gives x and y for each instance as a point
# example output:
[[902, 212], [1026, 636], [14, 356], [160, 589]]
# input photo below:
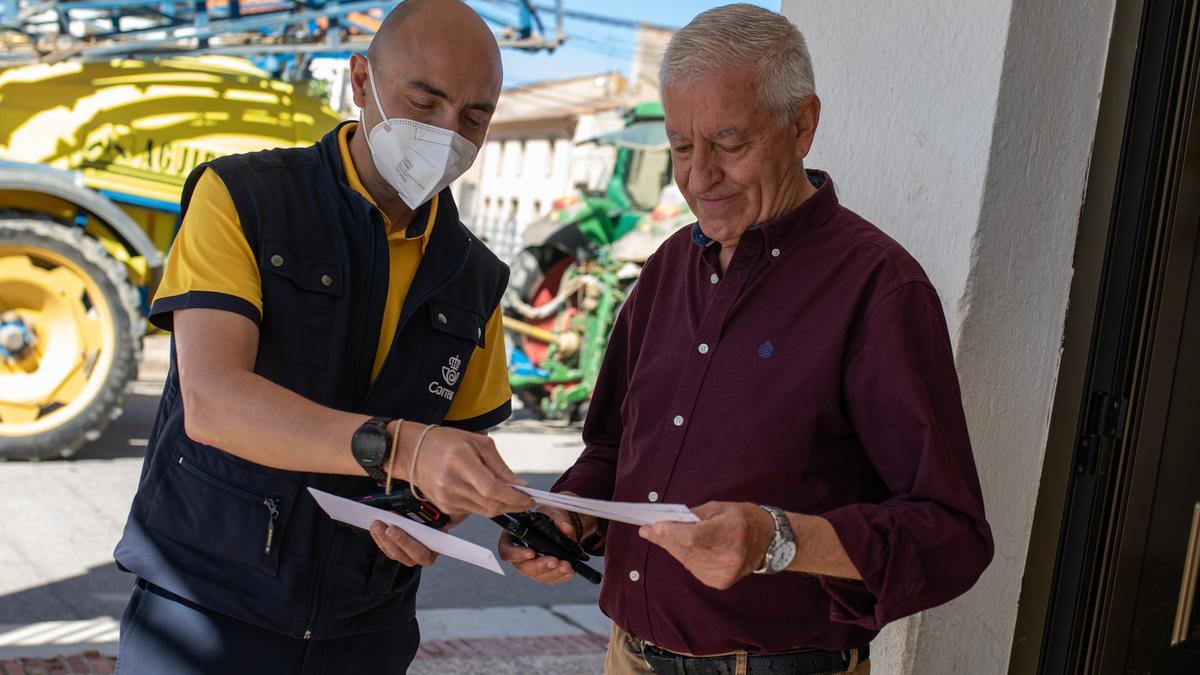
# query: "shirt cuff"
[[594, 482], [485, 421], [885, 557], [163, 309]]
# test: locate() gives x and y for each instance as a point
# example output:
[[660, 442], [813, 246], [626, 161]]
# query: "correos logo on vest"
[[450, 374]]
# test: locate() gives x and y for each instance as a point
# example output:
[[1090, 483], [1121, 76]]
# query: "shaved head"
[[435, 26], [434, 62]]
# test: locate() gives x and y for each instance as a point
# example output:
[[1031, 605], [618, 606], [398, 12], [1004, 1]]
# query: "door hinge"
[[1105, 420]]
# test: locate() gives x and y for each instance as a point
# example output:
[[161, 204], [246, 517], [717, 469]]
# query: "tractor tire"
[[526, 273], [98, 311]]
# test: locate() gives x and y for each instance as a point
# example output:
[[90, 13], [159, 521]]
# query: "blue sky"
[[597, 48]]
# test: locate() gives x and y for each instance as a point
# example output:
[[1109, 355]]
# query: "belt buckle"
[[640, 646], [851, 656]]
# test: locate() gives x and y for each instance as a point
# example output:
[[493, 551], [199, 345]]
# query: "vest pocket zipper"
[[273, 508], [271, 503]]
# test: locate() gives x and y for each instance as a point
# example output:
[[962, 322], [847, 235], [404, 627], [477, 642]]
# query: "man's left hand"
[[729, 542], [403, 548]]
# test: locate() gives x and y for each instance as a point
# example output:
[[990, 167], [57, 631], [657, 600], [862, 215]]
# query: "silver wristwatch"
[[782, 548]]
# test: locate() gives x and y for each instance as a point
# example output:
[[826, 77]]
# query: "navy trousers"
[[162, 633]]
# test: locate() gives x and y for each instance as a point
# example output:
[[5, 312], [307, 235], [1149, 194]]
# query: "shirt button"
[[678, 420], [775, 252], [653, 496], [634, 576], [326, 280], [714, 278], [277, 260], [441, 318], [703, 348]]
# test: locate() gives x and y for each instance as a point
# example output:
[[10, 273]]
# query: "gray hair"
[[738, 35]]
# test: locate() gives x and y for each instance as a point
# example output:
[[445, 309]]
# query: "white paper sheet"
[[634, 513], [361, 515]]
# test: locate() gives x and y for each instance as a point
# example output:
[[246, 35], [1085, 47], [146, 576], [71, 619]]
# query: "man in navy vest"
[[333, 322]]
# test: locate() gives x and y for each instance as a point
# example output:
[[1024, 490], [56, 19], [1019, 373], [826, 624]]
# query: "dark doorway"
[[1120, 586]]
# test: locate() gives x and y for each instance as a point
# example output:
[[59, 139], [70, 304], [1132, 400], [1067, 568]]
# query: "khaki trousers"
[[623, 658]]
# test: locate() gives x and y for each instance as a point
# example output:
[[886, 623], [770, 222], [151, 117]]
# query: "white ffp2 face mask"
[[417, 160]]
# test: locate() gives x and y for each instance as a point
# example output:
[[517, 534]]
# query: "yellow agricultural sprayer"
[[105, 107]]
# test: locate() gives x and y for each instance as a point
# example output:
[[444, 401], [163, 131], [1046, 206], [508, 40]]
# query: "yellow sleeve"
[[484, 398], [210, 264]]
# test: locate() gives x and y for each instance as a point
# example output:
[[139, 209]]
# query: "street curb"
[[455, 638], [544, 645], [429, 654]]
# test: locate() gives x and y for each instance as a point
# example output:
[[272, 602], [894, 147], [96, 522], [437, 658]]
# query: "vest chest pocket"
[[301, 298], [457, 331]]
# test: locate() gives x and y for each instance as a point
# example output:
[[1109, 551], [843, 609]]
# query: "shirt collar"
[[423, 219], [814, 211]]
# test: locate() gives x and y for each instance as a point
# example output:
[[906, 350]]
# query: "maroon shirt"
[[815, 375]]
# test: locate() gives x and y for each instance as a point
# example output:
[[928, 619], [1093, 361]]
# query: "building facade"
[[999, 142], [536, 152]]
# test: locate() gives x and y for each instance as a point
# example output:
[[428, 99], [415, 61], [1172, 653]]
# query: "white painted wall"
[[908, 92], [964, 129]]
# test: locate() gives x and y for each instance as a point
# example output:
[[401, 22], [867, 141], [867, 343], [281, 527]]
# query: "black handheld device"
[[538, 532], [403, 502]]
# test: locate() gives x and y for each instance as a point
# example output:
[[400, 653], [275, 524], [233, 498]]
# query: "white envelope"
[[634, 513], [361, 515]]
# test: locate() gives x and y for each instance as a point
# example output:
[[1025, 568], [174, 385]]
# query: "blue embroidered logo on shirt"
[[765, 350]]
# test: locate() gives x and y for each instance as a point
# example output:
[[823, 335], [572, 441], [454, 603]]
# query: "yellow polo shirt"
[[210, 254]]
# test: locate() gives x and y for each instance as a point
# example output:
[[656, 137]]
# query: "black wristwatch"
[[372, 445]]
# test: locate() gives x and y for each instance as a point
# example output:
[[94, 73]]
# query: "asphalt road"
[[60, 520]]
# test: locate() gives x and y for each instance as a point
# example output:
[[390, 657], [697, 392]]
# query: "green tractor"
[[579, 264]]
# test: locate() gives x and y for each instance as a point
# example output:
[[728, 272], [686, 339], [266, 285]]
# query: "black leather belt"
[[794, 662]]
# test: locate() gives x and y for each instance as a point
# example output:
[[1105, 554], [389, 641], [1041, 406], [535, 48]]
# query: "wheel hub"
[[15, 337]]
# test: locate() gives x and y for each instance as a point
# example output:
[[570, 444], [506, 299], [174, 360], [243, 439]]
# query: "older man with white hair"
[[784, 368]]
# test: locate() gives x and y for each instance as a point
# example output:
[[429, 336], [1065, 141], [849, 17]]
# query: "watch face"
[[783, 555], [370, 446]]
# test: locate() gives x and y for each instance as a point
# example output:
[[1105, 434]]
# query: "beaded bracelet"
[[577, 525]]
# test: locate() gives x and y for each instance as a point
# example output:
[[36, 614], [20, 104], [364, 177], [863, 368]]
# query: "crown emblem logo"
[[450, 373]]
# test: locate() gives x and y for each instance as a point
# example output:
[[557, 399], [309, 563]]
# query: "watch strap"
[[777, 537]]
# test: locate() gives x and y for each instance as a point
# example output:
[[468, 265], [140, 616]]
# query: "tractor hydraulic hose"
[[539, 312]]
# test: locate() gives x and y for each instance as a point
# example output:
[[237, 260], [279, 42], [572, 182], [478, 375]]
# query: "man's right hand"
[[462, 472], [543, 568]]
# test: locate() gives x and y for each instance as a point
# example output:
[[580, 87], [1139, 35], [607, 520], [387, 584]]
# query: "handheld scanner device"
[[538, 532], [403, 502]]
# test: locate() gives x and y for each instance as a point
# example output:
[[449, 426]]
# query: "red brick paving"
[[75, 664], [551, 645]]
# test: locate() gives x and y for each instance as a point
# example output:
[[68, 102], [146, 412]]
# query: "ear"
[[358, 79], [804, 124]]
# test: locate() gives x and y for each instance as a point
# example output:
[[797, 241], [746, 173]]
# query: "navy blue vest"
[[200, 520]]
